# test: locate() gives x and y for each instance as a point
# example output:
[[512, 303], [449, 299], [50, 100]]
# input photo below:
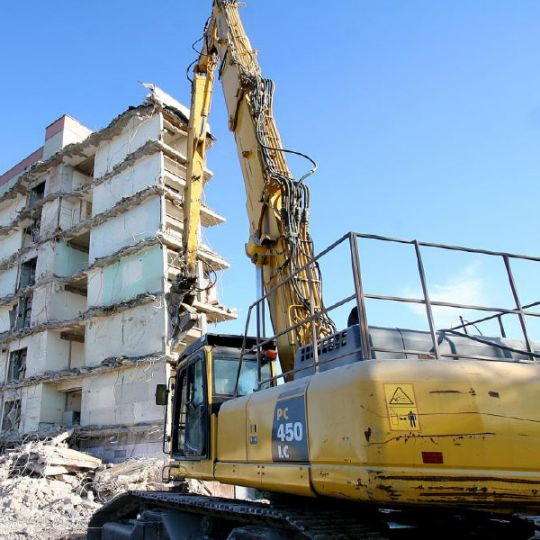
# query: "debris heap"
[[48, 490]]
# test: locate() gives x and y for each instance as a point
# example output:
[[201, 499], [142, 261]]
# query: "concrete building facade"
[[90, 243]]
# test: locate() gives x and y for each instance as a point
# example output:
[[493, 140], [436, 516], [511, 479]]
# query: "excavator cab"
[[211, 371]]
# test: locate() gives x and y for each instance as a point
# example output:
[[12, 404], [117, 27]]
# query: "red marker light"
[[432, 457]]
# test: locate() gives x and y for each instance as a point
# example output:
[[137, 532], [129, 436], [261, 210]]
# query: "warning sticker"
[[401, 405]]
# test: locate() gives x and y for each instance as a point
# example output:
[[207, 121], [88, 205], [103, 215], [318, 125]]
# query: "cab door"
[[191, 412]]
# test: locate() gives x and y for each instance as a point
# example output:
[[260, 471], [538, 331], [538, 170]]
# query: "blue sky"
[[424, 116]]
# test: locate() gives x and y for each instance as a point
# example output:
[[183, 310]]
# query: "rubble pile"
[[48, 490]]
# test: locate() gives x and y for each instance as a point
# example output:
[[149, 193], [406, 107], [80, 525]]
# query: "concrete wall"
[[127, 278], [46, 351], [78, 179], [4, 358], [127, 229], [31, 407], [66, 130], [70, 213], [9, 209], [5, 323], [10, 243], [68, 260], [57, 179], [137, 133], [36, 345], [49, 218], [57, 352], [77, 354], [51, 302], [45, 262], [60, 259], [41, 406], [144, 173], [52, 405], [8, 281], [134, 332], [6, 186], [125, 397]]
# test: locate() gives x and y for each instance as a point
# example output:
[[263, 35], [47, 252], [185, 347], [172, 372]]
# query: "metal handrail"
[[522, 311]]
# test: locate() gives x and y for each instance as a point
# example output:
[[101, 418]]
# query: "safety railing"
[[257, 311]]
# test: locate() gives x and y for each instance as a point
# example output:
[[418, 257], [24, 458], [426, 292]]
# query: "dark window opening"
[[27, 275], [85, 210], [17, 365], [21, 314], [37, 193], [72, 411], [11, 418], [31, 232], [81, 242]]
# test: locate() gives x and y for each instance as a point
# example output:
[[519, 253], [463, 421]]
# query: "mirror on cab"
[[161, 394]]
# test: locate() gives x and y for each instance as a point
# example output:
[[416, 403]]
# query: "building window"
[[27, 273], [21, 314], [17, 365], [72, 413], [11, 418], [31, 232], [37, 193]]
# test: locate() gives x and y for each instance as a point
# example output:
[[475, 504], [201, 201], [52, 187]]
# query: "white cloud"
[[466, 287]]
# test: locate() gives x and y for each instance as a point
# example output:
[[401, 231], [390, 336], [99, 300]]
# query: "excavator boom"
[[277, 204]]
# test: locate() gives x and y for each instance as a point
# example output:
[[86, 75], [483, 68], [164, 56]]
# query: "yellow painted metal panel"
[[287, 478], [478, 432], [242, 474], [202, 470], [231, 431]]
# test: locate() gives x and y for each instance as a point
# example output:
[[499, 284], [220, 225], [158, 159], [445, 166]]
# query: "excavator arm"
[[277, 204]]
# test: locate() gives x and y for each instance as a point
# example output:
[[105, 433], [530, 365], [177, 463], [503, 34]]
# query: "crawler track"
[[173, 516]]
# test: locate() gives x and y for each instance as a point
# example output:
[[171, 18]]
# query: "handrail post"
[[519, 307], [360, 300], [241, 360], [427, 302], [313, 324]]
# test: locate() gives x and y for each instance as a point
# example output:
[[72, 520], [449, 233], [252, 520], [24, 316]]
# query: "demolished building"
[[90, 243]]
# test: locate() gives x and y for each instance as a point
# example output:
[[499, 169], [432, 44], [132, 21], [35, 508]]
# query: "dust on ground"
[[49, 491]]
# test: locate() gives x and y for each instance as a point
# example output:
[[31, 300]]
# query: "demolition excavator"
[[347, 433]]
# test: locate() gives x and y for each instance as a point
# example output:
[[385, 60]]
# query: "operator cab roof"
[[223, 340]]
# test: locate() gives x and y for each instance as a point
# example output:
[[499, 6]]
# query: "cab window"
[[225, 370]]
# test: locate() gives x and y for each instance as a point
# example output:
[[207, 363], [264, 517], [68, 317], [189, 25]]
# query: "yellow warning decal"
[[401, 405]]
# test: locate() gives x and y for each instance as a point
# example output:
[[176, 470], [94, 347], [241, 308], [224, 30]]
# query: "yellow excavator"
[[367, 432]]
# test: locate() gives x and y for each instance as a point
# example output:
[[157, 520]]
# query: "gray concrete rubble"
[[48, 490]]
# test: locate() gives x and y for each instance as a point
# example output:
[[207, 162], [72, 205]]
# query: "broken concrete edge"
[[50, 277], [145, 110], [122, 206], [27, 211], [46, 279], [106, 366], [90, 313], [151, 104], [212, 259], [101, 262]]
